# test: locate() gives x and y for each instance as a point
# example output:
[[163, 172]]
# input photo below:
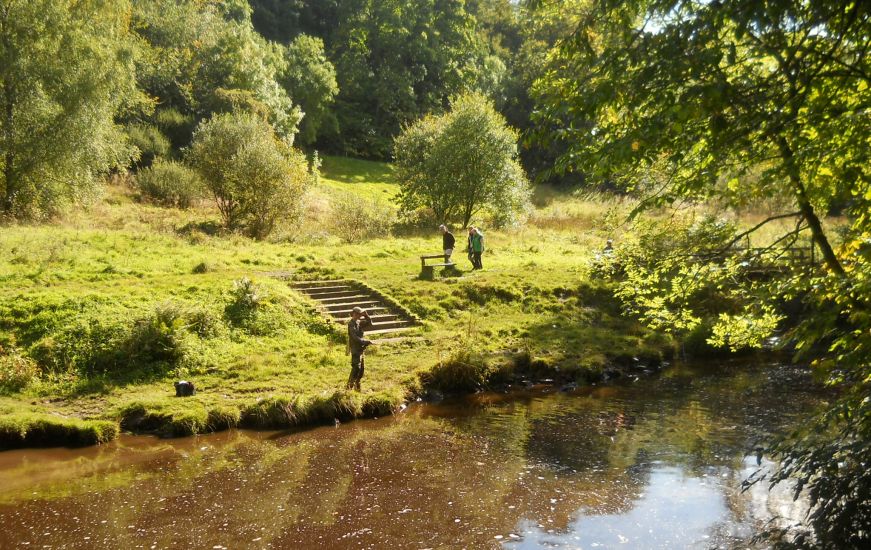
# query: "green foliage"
[[461, 163], [251, 309], [714, 92], [231, 68], [354, 220], [158, 339], [739, 101], [464, 371], [65, 70], [149, 142], [257, 179], [310, 79], [92, 343], [676, 275], [396, 60], [16, 370], [170, 183], [828, 456]]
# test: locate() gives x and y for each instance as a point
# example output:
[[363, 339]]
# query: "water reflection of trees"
[[415, 479]]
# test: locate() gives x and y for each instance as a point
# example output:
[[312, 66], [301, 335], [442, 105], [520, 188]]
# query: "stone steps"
[[336, 299]]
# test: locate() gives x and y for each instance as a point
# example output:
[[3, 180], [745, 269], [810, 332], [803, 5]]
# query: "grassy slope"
[[121, 260]]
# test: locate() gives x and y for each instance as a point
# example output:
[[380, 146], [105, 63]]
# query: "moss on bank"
[[27, 429]]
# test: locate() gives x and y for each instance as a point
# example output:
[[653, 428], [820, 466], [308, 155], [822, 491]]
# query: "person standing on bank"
[[476, 244], [469, 247], [357, 345], [448, 242]]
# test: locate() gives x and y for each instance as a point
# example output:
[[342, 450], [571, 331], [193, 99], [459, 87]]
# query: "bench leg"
[[427, 272]]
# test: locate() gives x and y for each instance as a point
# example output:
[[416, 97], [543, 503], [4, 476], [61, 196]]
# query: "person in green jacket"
[[476, 241]]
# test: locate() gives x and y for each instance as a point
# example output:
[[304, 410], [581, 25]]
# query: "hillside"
[[115, 303]]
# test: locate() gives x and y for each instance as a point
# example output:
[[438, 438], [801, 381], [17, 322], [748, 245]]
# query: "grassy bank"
[[101, 312]]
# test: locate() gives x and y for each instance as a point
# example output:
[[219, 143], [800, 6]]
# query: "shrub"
[[149, 141], [16, 371], [464, 371], [257, 179], [203, 322], [170, 183], [353, 220], [85, 345], [178, 127], [251, 310], [157, 339], [245, 298]]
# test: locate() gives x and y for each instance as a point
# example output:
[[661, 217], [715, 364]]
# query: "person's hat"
[[357, 309]]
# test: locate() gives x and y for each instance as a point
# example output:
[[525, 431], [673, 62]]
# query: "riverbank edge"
[[34, 430]]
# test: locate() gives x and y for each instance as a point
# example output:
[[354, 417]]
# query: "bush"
[[170, 183], [149, 141], [461, 163], [157, 339], [250, 310], [16, 371], [178, 127], [84, 345], [257, 179], [203, 322], [354, 220], [463, 372]]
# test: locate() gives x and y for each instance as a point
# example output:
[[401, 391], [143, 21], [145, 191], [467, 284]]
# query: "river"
[[650, 463]]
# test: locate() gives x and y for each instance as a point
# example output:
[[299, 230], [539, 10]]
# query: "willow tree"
[[755, 99], [66, 69]]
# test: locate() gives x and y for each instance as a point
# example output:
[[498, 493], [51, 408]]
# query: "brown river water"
[[652, 463]]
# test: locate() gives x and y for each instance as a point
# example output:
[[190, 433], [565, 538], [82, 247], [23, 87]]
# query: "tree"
[[461, 162], [66, 69], [204, 57], [283, 20], [310, 79], [760, 98], [720, 88], [256, 178], [397, 60]]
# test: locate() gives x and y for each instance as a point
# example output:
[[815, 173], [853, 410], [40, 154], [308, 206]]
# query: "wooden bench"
[[427, 271]]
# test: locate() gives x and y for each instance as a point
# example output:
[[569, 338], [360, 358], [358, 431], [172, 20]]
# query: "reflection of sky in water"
[[656, 465], [688, 506]]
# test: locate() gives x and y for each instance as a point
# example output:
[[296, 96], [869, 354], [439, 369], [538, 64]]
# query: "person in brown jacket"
[[357, 345]]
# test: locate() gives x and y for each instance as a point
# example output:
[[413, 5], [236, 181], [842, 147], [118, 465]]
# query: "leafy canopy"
[[728, 100], [310, 79], [257, 179], [204, 57], [461, 162], [718, 90], [66, 68]]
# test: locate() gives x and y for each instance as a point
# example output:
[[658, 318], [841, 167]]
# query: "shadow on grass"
[[348, 170], [210, 228], [587, 335]]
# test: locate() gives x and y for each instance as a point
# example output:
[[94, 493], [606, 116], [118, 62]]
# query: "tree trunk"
[[807, 209], [9, 179]]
